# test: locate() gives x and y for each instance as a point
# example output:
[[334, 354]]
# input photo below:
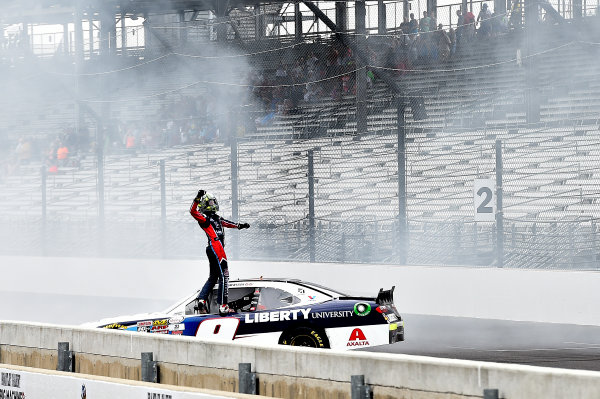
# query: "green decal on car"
[[362, 309]]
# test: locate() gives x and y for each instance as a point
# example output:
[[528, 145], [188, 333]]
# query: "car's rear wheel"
[[305, 336]]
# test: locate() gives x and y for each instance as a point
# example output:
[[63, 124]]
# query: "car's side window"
[[273, 298], [239, 299]]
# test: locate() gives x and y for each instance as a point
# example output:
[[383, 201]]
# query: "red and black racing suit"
[[213, 224]]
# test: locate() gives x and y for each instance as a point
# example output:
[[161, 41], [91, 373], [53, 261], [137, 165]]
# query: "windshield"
[[180, 303]]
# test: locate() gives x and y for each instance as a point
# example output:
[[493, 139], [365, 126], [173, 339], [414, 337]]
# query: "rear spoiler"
[[385, 297]]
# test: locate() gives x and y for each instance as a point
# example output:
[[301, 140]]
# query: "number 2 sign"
[[484, 195]]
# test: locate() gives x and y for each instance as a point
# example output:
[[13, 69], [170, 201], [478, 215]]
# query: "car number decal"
[[221, 329]]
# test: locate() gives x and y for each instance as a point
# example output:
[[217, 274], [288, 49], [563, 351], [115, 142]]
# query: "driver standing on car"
[[204, 210]]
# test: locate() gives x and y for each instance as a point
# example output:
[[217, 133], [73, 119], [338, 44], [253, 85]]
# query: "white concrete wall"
[[416, 374], [38, 383], [506, 294]]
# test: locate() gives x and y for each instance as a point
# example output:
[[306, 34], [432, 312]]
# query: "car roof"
[[308, 284]]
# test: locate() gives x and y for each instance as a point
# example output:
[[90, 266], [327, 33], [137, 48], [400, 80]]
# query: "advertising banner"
[[18, 384]]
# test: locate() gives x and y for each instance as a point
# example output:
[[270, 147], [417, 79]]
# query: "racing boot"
[[224, 310], [202, 307]]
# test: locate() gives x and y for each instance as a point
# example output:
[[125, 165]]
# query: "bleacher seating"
[[549, 167]]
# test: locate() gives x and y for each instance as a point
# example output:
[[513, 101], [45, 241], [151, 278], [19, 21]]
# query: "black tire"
[[305, 336]]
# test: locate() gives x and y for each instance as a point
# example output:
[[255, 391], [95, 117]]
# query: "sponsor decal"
[[146, 323], [312, 297], [362, 309], [162, 322], [160, 329], [301, 291], [390, 317], [357, 338], [154, 395], [8, 394], [236, 284], [115, 326], [282, 315], [176, 327], [176, 332], [11, 381], [176, 320], [332, 314]]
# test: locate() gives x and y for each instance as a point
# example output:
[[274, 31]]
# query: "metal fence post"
[[311, 206], [360, 390], [490, 394], [163, 209], [235, 214], [44, 209], [247, 379], [499, 212], [402, 225], [149, 368], [356, 381], [66, 359]]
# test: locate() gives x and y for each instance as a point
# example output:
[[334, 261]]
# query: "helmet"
[[208, 203]]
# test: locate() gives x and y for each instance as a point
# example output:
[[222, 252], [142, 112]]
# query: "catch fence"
[[354, 213]]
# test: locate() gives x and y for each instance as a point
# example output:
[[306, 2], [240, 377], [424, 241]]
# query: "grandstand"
[[533, 90]]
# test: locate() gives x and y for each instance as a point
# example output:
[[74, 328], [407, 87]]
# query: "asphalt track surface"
[[539, 344]]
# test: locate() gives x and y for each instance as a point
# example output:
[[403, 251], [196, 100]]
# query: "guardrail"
[[286, 372]]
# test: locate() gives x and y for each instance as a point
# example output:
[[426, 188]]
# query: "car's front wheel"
[[304, 336]]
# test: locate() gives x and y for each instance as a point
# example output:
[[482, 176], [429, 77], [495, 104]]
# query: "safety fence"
[[336, 199]]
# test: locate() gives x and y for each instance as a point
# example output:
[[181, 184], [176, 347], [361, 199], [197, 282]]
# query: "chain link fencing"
[[263, 98]]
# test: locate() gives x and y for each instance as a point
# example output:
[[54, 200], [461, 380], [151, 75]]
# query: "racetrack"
[[540, 344]]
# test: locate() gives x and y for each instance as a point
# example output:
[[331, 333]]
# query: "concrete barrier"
[[568, 297], [26, 382], [286, 372]]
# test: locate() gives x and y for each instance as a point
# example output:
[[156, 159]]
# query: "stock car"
[[279, 311]]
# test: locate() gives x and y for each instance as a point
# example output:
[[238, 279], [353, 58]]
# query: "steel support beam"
[[361, 74], [259, 23], [183, 33], [297, 22], [381, 17], [341, 15]]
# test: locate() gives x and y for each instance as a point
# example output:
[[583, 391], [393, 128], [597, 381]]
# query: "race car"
[[278, 311]]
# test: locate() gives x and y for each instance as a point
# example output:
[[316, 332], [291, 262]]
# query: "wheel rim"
[[304, 340]]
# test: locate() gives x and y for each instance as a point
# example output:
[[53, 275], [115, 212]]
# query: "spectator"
[[281, 72], [425, 23], [452, 37], [130, 141], [413, 25], [469, 26], [311, 62], [443, 43], [485, 27], [62, 153], [405, 26], [23, 151], [460, 28], [432, 22]]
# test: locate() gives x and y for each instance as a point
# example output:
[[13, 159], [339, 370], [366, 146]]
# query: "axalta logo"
[[281, 315], [357, 338]]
